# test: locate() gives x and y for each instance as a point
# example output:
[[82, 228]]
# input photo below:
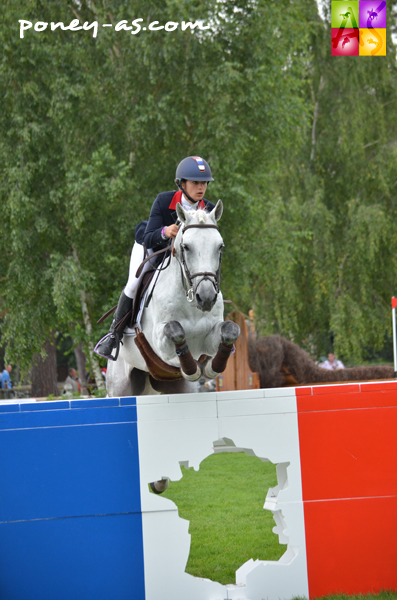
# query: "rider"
[[192, 177]]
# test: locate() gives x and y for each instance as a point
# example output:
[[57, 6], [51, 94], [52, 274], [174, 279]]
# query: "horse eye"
[[186, 247]]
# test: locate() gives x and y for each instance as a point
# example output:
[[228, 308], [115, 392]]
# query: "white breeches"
[[136, 259]]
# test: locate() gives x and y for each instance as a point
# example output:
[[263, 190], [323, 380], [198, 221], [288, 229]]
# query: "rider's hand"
[[171, 231]]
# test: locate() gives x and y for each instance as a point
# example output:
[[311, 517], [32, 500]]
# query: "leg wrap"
[[188, 364], [219, 362]]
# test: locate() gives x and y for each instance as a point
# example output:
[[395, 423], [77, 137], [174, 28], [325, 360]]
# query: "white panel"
[[184, 430], [258, 406], [197, 397], [277, 392], [155, 399], [166, 550], [164, 443], [238, 395], [176, 410]]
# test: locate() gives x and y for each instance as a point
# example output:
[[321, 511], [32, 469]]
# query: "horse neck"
[[171, 276]]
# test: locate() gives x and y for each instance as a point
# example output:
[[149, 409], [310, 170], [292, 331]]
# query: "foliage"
[[100, 393], [302, 146], [325, 260]]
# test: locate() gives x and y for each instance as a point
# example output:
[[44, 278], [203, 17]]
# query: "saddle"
[[130, 318], [158, 369]]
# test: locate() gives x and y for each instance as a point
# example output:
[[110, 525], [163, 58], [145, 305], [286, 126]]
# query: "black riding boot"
[[112, 339]]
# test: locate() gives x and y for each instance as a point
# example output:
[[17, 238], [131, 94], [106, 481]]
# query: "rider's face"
[[195, 189]]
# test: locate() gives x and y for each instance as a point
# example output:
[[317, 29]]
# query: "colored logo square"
[[344, 13], [344, 42], [372, 42], [372, 14]]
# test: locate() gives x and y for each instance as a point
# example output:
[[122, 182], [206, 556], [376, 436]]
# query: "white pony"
[[184, 319]]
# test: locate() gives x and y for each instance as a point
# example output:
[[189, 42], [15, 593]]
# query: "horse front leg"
[[190, 370], [229, 334]]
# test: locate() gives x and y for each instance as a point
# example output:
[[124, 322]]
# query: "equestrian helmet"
[[193, 168]]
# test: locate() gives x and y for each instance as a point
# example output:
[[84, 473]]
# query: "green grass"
[[224, 503], [384, 595]]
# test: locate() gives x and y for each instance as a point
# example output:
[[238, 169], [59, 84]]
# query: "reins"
[[145, 260], [186, 276]]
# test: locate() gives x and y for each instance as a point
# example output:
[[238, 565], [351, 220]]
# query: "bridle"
[[188, 277]]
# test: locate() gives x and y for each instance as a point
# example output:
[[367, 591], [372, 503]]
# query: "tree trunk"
[[81, 362], [94, 364], [315, 115], [44, 372]]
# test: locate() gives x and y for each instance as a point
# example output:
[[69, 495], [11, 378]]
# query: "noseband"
[[214, 278]]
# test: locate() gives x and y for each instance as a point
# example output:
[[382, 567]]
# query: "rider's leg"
[[112, 340], [137, 255]]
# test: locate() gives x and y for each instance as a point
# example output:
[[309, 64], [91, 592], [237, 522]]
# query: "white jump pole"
[[393, 306]]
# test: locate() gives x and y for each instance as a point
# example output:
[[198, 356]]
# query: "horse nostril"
[[205, 304]]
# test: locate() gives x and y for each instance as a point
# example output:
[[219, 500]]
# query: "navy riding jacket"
[[163, 213]]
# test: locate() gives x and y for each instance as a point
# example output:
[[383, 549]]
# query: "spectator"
[[332, 364], [5, 381], [71, 383]]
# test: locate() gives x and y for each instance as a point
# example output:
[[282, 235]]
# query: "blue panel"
[[95, 402], [91, 558], [29, 406], [69, 471], [9, 408], [126, 401], [59, 418]]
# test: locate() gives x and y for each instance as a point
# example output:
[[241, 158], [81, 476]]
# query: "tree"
[[156, 100], [328, 241], [91, 129], [44, 379]]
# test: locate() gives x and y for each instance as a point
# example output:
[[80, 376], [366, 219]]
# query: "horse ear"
[[180, 211], [216, 213]]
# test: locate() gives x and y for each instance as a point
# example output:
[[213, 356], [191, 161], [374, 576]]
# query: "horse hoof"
[[229, 332], [158, 487], [174, 332]]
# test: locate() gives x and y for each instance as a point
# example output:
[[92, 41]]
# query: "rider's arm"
[[154, 227]]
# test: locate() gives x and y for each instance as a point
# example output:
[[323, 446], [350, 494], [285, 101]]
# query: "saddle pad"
[[158, 369]]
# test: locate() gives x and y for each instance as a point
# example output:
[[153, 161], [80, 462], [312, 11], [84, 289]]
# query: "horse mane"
[[202, 216]]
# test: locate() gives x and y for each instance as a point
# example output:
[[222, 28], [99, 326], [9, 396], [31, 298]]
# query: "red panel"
[[376, 399], [303, 391], [351, 546], [379, 386], [348, 453], [336, 389]]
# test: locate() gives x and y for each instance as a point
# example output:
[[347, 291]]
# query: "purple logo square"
[[372, 14]]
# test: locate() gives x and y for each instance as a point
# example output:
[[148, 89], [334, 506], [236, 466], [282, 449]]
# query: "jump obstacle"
[[77, 519]]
